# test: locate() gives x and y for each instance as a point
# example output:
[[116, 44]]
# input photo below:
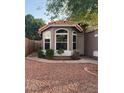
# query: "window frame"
[[62, 34], [44, 37], [46, 43], [74, 34]]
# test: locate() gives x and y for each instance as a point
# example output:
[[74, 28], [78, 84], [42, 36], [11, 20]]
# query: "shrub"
[[40, 48], [41, 53], [60, 51], [49, 53], [75, 55]]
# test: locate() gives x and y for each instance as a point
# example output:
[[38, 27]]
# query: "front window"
[[74, 40], [47, 43], [61, 39]]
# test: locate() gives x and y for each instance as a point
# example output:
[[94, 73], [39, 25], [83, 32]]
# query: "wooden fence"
[[31, 46]]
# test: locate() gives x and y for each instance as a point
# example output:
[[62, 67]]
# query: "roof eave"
[[76, 26]]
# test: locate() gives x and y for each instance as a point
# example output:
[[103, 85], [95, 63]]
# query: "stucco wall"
[[91, 44], [50, 30], [80, 43], [80, 38]]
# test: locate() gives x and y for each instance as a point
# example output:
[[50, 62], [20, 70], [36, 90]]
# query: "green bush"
[[41, 53], [49, 53], [75, 55], [40, 48]]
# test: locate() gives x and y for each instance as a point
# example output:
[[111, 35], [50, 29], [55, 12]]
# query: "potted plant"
[[60, 51]]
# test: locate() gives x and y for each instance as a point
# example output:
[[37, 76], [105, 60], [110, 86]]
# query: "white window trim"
[[62, 34]]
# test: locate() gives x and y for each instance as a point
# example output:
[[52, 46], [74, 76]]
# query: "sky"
[[37, 8]]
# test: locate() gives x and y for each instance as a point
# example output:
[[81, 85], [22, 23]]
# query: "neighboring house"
[[91, 42], [63, 35], [70, 36]]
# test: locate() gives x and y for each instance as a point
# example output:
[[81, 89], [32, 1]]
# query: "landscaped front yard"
[[60, 77]]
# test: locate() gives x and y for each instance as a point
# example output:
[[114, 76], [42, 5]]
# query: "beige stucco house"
[[63, 35]]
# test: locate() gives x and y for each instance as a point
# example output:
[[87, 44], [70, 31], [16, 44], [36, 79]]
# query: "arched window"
[[74, 32], [61, 31], [74, 40], [61, 39]]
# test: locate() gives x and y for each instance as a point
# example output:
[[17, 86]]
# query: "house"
[[64, 35], [91, 42]]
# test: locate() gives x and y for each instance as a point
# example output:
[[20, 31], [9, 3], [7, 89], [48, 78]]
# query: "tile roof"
[[61, 23]]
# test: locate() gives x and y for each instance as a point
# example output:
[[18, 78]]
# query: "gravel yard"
[[60, 77]]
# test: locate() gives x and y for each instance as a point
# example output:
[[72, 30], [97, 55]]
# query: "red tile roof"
[[61, 22]]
